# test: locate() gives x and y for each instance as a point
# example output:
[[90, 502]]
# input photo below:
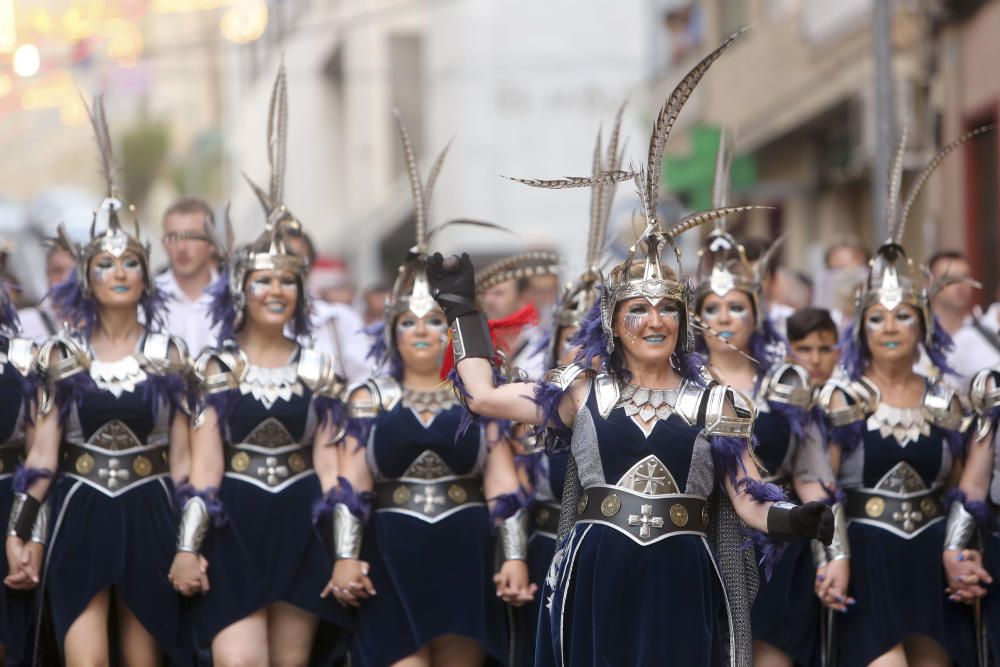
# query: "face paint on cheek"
[[437, 327], [742, 314], [873, 326], [634, 322], [100, 274], [258, 290]]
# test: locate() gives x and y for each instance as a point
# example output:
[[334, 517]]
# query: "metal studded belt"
[[905, 515], [429, 500], [11, 455], [114, 472], [269, 470], [644, 518], [545, 519]]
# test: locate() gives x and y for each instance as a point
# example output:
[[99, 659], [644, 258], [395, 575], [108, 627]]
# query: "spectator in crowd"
[[374, 302], [336, 328], [845, 266], [192, 269], [977, 345], [813, 338], [526, 347], [330, 281], [41, 321]]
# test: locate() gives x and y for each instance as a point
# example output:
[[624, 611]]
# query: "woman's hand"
[[23, 563], [966, 575], [831, 584], [349, 583], [189, 573], [453, 284], [513, 585]]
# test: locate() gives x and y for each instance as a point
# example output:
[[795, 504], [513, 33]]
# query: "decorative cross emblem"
[[272, 471], [644, 520], [908, 516], [429, 499], [649, 478], [114, 474]]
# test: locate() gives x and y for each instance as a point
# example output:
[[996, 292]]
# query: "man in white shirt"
[[976, 343], [40, 322], [192, 269], [337, 328]]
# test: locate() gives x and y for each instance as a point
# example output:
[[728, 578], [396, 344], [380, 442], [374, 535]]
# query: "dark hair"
[[188, 205], [950, 255], [807, 320]]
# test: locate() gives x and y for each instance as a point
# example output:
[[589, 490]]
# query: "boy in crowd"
[[812, 337]]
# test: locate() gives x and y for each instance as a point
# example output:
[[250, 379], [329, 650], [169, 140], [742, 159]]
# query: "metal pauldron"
[[644, 518]]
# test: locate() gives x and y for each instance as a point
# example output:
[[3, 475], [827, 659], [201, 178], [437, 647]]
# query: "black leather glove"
[[813, 520], [453, 284]]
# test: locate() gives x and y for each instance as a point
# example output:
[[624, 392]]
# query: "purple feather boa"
[[8, 314], [854, 354], [530, 464], [25, 478], [769, 550], [384, 359], [507, 504], [216, 511], [848, 436], [727, 456], [593, 342], [468, 417], [223, 308], [360, 429], [956, 443], [68, 298], [358, 503], [329, 410], [980, 510], [548, 396], [794, 415]]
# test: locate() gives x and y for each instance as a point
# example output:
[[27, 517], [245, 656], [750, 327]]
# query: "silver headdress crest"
[[268, 251], [894, 278], [723, 264], [114, 239]]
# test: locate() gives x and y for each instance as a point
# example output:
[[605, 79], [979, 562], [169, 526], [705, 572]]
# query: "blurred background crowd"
[[815, 95]]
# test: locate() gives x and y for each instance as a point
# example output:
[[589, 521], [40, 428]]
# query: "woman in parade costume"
[[262, 450], [111, 417], [16, 385], [421, 577], [742, 348], [659, 459], [895, 441]]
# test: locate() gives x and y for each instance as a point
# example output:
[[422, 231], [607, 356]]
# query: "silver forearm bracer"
[[840, 547], [194, 525], [347, 530], [960, 527], [513, 532], [40, 530]]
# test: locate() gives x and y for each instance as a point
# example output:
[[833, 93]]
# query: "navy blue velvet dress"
[[268, 550], [610, 599], [16, 607], [896, 573], [432, 569], [786, 611], [113, 522]]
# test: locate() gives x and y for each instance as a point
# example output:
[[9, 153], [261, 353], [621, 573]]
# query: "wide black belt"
[[905, 515], [268, 469], [114, 472], [429, 500], [643, 518], [11, 456], [545, 519]]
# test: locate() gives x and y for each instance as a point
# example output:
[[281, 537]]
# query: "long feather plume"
[[574, 181], [892, 222], [723, 164], [705, 328], [613, 163], [702, 217], [416, 187], [467, 222], [99, 121], [262, 197], [765, 258], [922, 177], [668, 116], [277, 136], [595, 200], [432, 179]]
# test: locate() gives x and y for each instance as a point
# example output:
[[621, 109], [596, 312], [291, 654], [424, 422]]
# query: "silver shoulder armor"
[[165, 354], [63, 355], [231, 364], [605, 387], [717, 422], [21, 353], [689, 400], [861, 399], [565, 375], [942, 405], [984, 397], [385, 393], [316, 371], [788, 383]]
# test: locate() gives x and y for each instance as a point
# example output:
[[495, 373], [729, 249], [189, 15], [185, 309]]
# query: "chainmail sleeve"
[[570, 498]]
